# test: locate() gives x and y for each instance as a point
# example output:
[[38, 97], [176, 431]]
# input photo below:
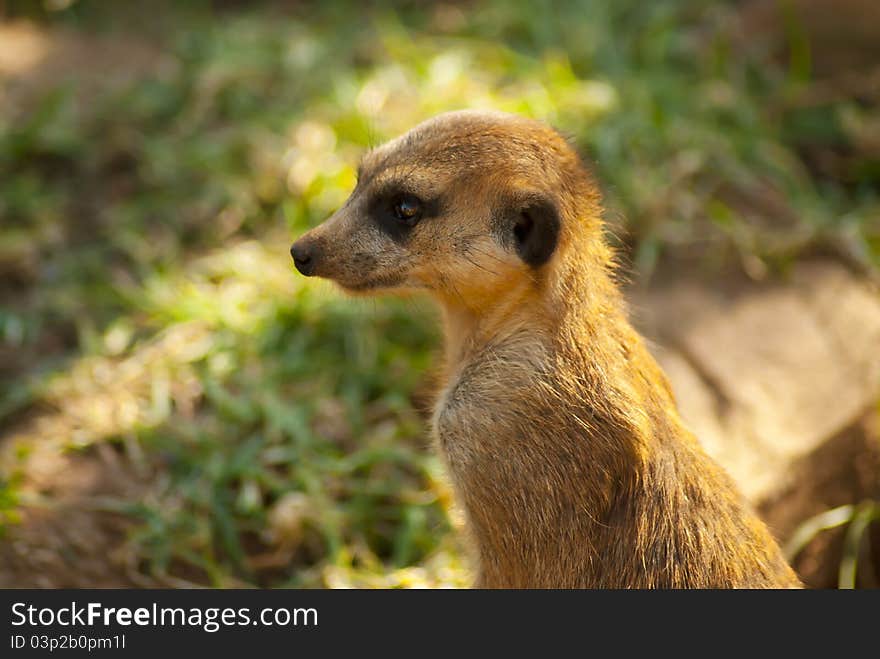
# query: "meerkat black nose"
[[303, 258]]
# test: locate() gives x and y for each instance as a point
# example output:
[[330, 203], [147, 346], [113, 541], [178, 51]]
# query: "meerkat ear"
[[535, 231]]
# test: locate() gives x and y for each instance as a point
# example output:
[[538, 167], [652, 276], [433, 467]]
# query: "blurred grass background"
[[149, 194]]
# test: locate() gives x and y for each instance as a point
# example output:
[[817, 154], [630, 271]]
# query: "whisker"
[[455, 290], [477, 265], [485, 253]]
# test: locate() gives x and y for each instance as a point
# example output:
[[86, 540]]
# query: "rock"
[[765, 373]]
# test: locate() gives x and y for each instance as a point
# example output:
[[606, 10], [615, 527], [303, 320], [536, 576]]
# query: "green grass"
[[857, 519], [156, 215]]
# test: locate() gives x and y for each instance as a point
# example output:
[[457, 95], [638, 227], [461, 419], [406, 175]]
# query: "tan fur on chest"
[[506, 463], [485, 397]]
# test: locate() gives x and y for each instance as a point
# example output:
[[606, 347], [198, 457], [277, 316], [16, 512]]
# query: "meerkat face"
[[463, 206]]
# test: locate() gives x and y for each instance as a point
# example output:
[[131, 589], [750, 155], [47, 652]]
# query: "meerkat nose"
[[302, 258]]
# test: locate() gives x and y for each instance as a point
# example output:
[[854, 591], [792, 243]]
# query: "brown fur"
[[558, 428]]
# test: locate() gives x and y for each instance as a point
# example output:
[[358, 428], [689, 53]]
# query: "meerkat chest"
[[466, 409], [483, 408]]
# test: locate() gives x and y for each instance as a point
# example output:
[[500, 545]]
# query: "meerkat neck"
[[625, 383], [580, 320], [595, 338], [467, 330]]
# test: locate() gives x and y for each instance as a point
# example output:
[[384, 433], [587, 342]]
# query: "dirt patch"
[[844, 470], [68, 535], [72, 479]]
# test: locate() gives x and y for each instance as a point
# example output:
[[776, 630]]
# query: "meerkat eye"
[[523, 228], [407, 209]]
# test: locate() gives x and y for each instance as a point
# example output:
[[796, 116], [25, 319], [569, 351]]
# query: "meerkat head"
[[463, 205]]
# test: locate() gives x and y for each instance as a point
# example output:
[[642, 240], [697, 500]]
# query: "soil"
[[67, 537]]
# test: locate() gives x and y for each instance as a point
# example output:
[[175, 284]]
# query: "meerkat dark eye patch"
[[396, 212], [535, 232]]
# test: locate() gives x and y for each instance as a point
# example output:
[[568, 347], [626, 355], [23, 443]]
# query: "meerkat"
[[558, 429]]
